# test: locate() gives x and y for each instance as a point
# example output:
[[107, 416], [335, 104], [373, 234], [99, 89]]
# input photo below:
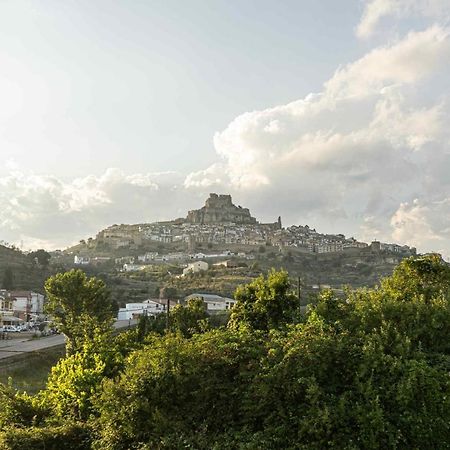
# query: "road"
[[19, 346]]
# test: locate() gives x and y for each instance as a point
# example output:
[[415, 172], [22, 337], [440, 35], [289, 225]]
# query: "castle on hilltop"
[[220, 209], [220, 222]]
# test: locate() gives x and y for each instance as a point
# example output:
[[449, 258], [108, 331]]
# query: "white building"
[[133, 267], [149, 256], [214, 303], [81, 260], [149, 307], [195, 267], [37, 304], [26, 305], [6, 305], [21, 304]]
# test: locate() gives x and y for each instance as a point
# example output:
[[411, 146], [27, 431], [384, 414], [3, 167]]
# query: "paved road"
[[15, 347]]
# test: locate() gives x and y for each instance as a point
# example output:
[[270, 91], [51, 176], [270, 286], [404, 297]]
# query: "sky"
[[331, 114]]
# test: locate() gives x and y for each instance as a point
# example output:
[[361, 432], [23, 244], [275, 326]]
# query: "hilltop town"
[[221, 223]]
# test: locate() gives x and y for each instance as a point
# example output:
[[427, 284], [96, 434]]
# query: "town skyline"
[[221, 222]]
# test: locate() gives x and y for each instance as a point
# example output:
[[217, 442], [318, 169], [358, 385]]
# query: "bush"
[[178, 389], [71, 436], [18, 408]]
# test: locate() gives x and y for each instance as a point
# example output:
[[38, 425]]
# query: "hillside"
[[26, 274], [221, 230], [315, 272]]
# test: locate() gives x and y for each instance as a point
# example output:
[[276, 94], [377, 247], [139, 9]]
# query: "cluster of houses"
[[310, 241], [119, 236], [20, 308], [243, 234], [86, 260], [303, 238], [221, 222], [141, 262], [152, 307], [194, 267], [131, 236]]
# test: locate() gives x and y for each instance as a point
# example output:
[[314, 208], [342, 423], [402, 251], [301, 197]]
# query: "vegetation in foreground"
[[367, 371], [31, 374]]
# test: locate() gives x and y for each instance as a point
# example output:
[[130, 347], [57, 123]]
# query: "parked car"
[[11, 328]]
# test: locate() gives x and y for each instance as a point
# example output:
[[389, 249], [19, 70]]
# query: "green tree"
[[72, 384], [78, 304], [77, 378], [41, 256], [425, 276], [180, 393], [8, 279], [70, 435], [189, 319], [265, 303]]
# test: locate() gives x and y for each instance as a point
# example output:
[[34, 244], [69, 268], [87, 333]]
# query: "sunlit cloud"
[[376, 10]]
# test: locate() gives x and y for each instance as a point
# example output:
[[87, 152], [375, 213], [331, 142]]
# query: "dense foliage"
[[369, 370], [76, 303], [265, 303]]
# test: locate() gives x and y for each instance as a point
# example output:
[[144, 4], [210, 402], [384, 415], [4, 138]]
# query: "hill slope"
[[26, 273]]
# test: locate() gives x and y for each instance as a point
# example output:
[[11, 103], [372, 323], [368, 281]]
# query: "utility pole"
[[299, 289], [167, 315], [168, 305]]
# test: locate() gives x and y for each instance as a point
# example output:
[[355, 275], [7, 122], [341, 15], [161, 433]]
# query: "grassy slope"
[[31, 374]]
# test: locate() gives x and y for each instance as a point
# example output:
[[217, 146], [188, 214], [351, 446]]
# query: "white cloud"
[[408, 125], [212, 176], [405, 62], [373, 12], [376, 10], [425, 224], [352, 153], [45, 210]]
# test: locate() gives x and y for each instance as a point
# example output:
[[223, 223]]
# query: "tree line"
[[367, 370]]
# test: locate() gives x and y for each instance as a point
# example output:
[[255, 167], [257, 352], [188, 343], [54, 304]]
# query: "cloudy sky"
[[332, 114]]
